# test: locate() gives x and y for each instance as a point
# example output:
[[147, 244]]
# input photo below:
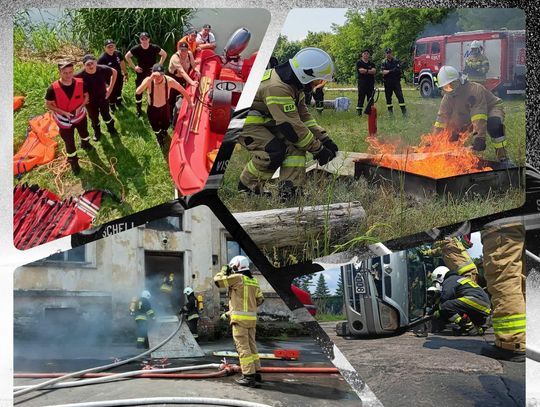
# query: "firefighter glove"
[[223, 316], [437, 314], [479, 143], [226, 269], [329, 144], [324, 155]]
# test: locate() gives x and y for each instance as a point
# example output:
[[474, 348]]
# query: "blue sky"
[[300, 21]]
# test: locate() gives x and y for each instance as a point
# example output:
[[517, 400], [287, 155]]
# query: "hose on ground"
[[166, 400], [533, 354], [168, 373], [98, 368], [533, 256]]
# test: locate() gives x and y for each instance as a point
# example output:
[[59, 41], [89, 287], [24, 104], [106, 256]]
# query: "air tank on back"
[[237, 43]]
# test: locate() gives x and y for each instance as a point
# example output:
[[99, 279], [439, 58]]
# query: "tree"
[[491, 19], [304, 282], [285, 49], [321, 290], [339, 292]]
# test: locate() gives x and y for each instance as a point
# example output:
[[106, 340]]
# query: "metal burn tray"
[[464, 185]]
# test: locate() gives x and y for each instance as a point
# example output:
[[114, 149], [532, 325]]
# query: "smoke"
[[448, 26]]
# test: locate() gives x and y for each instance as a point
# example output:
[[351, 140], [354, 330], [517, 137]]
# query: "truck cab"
[[383, 295], [428, 54]]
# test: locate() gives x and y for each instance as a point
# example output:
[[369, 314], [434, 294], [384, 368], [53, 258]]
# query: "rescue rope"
[[98, 368]]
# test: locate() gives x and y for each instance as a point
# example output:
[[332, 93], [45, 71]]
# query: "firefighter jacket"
[[281, 106], [143, 310], [394, 66], [476, 67], [470, 105], [191, 308], [465, 290], [167, 284], [244, 297], [74, 105]]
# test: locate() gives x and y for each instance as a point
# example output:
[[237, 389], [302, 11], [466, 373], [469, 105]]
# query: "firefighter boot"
[[85, 145], [257, 191], [287, 191], [359, 110], [494, 352], [74, 163], [502, 156], [111, 129], [403, 111], [248, 381], [97, 133], [162, 138], [258, 377]]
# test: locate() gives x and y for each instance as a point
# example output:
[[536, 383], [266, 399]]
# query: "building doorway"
[[157, 266]]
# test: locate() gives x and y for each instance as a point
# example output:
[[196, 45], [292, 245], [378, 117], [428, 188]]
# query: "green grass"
[[390, 213], [330, 317], [131, 166]]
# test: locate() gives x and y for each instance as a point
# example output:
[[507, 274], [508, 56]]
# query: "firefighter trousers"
[[68, 135], [456, 258], [97, 107], [476, 309], [116, 95], [192, 322], [244, 339], [503, 249], [142, 333], [269, 151], [394, 87], [364, 92]]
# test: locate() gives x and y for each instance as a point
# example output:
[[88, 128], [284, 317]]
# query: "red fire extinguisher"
[[372, 114]]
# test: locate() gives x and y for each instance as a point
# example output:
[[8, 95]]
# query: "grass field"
[[131, 166], [390, 213]]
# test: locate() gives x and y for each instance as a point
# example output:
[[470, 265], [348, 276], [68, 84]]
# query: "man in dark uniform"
[[66, 99], [191, 309], [114, 59], [391, 70], [96, 78], [146, 54], [366, 82]]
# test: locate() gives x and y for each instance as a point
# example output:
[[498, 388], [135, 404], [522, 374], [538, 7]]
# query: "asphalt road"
[[441, 370]]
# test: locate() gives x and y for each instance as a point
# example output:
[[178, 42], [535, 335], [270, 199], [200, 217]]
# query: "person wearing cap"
[[158, 87], [365, 69], [181, 65], [66, 99], [191, 40], [391, 70], [205, 38], [100, 80], [114, 59], [146, 54]]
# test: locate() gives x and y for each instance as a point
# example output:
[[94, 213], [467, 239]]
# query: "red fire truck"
[[504, 49]]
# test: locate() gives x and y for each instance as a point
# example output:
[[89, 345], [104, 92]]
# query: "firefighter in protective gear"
[[166, 288], [244, 298], [462, 302], [470, 107], [279, 129], [142, 310], [476, 63], [503, 248], [453, 251], [392, 71], [191, 309]]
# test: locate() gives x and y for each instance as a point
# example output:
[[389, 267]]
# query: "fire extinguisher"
[[133, 305], [200, 304], [371, 110]]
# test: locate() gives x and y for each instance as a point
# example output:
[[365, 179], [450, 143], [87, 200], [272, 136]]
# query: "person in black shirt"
[[146, 54], [366, 82], [96, 78], [391, 70], [114, 59], [66, 99]]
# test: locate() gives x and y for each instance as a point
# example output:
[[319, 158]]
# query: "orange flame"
[[435, 157]]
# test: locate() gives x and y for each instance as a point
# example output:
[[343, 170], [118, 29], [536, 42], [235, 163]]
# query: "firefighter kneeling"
[[462, 302], [244, 298], [279, 129]]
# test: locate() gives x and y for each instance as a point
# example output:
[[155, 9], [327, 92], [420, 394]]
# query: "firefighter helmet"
[[239, 263], [447, 74], [476, 44], [439, 273], [188, 290], [146, 294], [310, 64]]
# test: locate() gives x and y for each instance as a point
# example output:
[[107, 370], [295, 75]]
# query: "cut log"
[[276, 228]]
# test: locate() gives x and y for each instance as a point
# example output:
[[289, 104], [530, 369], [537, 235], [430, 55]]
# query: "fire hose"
[[98, 368], [166, 400]]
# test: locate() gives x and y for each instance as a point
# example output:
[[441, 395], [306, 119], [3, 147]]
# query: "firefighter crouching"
[[455, 256], [279, 129], [191, 310], [141, 309], [244, 298], [469, 106], [462, 302]]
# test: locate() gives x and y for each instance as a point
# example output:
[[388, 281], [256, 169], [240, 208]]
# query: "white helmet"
[[239, 263], [447, 74], [476, 44], [188, 290], [146, 294], [439, 273], [311, 64], [434, 289]]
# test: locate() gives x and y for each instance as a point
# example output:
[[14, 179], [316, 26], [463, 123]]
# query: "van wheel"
[[426, 88]]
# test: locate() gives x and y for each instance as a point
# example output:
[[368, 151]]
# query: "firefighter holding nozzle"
[[279, 130], [469, 107], [244, 298]]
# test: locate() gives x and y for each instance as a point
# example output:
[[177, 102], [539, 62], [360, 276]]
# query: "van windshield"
[[416, 275]]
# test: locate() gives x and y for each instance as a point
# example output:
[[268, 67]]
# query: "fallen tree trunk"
[[276, 228]]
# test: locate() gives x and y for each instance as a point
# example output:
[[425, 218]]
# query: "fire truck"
[[504, 49]]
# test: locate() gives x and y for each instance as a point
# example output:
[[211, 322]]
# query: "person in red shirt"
[[191, 40]]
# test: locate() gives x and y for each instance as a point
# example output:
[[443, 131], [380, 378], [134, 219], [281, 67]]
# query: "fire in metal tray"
[[435, 157]]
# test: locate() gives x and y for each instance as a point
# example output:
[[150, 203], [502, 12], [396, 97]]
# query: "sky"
[[300, 21]]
